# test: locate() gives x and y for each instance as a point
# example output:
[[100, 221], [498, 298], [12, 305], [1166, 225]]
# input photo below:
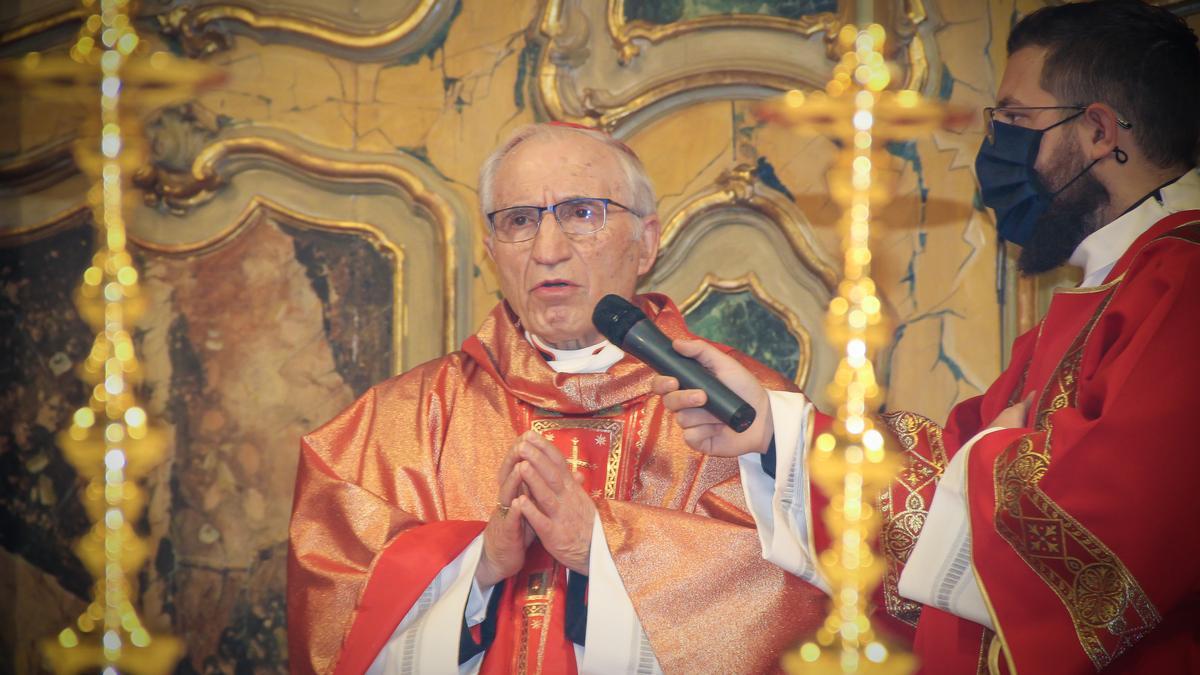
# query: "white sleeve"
[[939, 572], [615, 641], [426, 641], [781, 506]]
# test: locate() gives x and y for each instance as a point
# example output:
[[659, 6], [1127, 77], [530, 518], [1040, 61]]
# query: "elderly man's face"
[[555, 280]]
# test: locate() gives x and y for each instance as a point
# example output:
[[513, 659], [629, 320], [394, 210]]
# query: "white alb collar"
[[595, 359], [1099, 252]]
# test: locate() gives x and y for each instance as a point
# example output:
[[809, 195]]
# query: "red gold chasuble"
[[1082, 523], [395, 487]]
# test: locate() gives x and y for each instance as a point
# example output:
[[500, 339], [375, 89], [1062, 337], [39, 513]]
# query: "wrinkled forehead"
[[547, 169]]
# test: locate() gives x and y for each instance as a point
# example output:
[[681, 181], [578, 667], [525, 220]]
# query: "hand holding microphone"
[[706, 388]]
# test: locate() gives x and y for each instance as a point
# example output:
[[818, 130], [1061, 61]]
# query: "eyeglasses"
[[577, 217], [1010, 114]]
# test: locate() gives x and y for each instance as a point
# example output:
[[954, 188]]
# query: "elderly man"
[[1046, 527], [524, 505]]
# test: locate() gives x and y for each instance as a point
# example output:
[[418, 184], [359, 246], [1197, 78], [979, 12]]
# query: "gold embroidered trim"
[[1106, 604], [1090, 289], [902, 527], [987, 638], [613, 427], [535, 616]]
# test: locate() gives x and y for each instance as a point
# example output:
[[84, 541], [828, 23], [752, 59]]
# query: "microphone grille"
[[614, 316]]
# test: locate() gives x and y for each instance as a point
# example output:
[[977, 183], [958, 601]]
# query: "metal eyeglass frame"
[[989, 116], [553, 209]]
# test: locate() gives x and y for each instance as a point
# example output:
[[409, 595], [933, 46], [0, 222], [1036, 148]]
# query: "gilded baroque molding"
[[750, 283], [204, 29], [738, 187], [567, 45], [217, 163], [624, 33], [574, 84], [207, 28]]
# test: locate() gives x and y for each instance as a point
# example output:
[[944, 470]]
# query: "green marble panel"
[[671, 11], [739, 320]]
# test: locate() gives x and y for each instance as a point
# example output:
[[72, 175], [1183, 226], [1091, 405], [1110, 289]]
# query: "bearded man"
[[1047, 527], [524, 505]]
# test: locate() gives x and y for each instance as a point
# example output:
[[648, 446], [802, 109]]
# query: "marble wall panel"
[[266, 339], [247, 347], [43, 339], [740, 318]]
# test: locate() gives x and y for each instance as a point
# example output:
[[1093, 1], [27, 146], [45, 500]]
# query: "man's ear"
[[1100, 129], [489, 243], [648, 243]]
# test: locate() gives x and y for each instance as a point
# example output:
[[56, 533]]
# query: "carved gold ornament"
[[850, 464]]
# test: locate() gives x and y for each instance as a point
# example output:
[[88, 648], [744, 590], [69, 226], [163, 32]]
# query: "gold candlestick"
[[850, 464], [110, 441]]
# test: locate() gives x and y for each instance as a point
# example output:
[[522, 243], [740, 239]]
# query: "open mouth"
[[554, 283]]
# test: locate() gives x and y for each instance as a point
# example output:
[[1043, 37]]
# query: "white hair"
[[643, 202]]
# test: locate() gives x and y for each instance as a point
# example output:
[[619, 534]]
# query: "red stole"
[[531, 623]]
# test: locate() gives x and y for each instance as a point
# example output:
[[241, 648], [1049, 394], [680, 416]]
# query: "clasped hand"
[[539, 496]]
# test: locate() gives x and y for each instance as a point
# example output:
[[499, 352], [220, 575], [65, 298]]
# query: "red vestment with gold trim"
[[394, 488], [1083, 523]]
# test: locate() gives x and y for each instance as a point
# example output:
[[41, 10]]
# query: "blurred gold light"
[[110, 441]]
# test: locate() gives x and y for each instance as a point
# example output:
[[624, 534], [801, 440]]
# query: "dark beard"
[[1072, 216]]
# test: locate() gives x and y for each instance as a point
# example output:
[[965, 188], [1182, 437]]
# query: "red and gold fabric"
[[395, 487], [1081, 522]]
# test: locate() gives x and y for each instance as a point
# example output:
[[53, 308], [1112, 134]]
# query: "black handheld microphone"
[[627, 327]]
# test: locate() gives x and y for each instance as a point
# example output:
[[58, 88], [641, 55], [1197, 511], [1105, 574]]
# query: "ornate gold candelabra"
[[850, 464], [110, 441]]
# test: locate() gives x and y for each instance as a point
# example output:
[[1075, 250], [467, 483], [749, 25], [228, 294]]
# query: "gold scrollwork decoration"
[[624, 32], [602, 110], [209, 171], [566, 45], [750, 283], [207, 28], [738, 187]]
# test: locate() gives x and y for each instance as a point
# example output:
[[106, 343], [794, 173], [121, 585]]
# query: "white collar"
[[1099, 252], [595, 359]]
